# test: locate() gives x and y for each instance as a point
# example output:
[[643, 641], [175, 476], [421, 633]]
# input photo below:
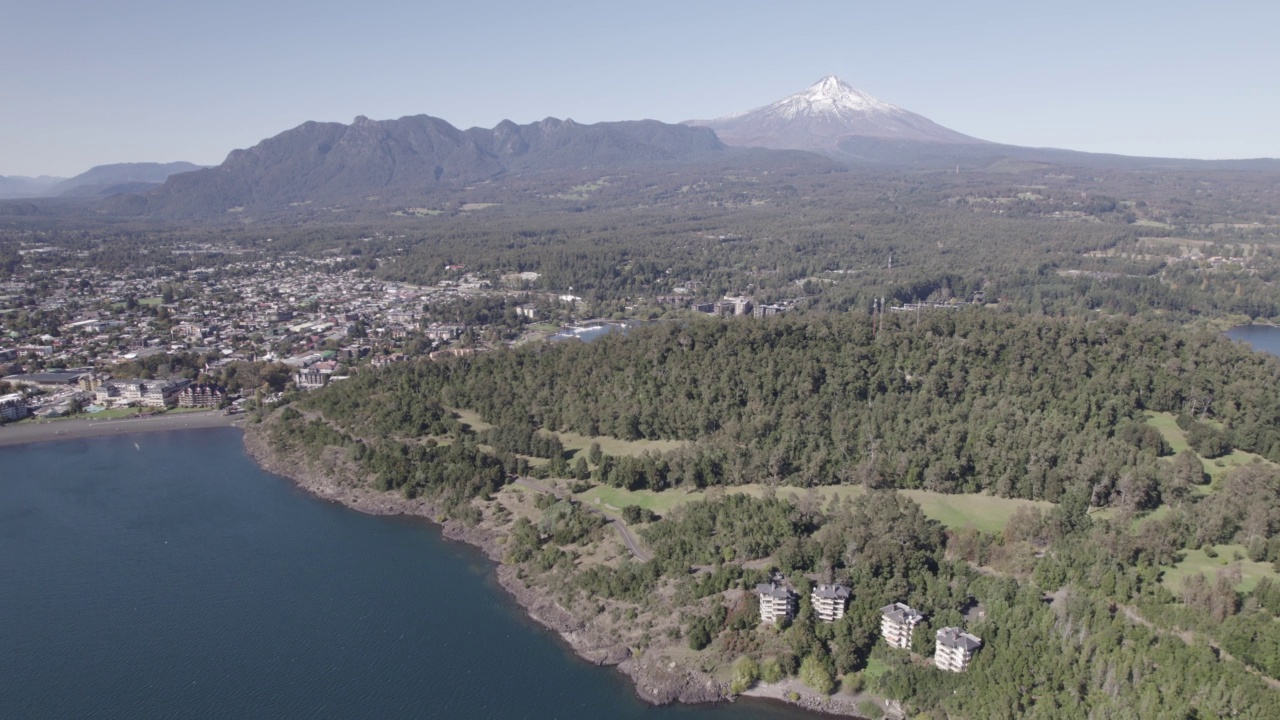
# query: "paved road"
[[624, 532]]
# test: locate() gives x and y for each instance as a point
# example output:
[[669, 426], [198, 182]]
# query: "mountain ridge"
[[413, 156]]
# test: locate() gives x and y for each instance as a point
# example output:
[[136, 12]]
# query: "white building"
[[12, 407], [776, 602], [829, 601], [954, 649], [897, 622]]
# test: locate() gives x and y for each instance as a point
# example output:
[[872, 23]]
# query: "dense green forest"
[[961, 401]]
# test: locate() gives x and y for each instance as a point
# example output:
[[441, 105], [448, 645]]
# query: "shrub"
[[814, 674], [771, 670], [745, 674]]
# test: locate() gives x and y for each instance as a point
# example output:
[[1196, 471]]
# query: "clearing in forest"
[[1198, 561]]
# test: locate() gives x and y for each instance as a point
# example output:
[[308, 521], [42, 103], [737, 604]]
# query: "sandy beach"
[[33, 432]]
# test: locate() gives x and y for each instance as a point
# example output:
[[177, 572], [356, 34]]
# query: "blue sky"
[[85, 83]]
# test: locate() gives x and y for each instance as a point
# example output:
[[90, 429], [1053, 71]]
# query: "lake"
[[165, 575], [1264, 338]]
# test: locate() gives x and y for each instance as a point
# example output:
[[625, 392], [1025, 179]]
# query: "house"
[[12, 407], [897, 622], [776, 602], [954, 649], [829, 601], [202, 396]]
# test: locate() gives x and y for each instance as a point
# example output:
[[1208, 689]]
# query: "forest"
[[1069, 601]]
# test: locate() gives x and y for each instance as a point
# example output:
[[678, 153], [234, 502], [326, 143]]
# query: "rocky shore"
[[654, 682]]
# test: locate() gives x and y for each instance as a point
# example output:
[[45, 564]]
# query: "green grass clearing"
[[984, 512], [614, 446], [1196, 561], [605, 497], [471, 419], [1167, 424], [876, 668]]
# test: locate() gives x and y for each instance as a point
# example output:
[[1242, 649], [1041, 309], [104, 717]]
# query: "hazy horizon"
[[143, 81]]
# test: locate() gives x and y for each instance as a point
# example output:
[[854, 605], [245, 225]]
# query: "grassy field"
[[875, 668], [1167, 424], [471, 419], [607, 498], [986, 513], [614, 446], [1196, 561], [576, 443]]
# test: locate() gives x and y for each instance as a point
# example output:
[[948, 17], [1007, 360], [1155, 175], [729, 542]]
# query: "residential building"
[[897, 622], [776, 602], [202, 396], [310, 379], [829, 601], [13, 407], [162, 393], [445, 333], [954, 649]]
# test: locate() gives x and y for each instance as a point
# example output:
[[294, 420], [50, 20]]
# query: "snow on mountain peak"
[[831, 96], [822, 115]]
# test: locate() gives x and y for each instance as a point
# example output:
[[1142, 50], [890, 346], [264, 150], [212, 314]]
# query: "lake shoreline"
[[654, 683], [29, 432]]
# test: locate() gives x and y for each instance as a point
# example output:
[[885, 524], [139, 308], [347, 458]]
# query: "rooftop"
[[954, 637], [901, 613]]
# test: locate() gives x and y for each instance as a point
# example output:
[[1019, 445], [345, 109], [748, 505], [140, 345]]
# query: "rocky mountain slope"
[[410, 158]]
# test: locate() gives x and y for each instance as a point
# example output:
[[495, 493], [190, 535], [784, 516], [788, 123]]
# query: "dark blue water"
[[175, 579], [1264, 338]]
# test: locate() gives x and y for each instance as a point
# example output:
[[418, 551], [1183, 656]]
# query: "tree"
[[814, 673], [745, 674], [1188, 469]]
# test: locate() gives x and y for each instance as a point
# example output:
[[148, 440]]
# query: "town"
[[75, 338]]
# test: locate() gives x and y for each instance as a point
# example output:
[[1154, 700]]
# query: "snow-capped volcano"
[[820, 116]]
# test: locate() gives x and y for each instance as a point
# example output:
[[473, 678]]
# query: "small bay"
[[165, 575]]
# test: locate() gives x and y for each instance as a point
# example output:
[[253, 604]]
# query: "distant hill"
[[118, 177], [17, 186], [411, 157]]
